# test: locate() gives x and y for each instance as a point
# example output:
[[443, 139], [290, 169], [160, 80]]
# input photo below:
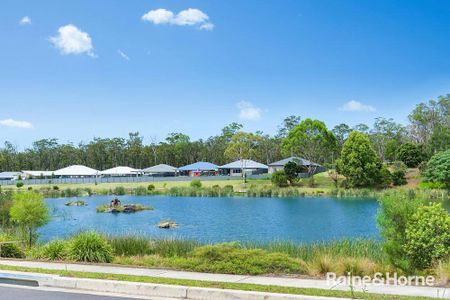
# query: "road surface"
[[12, 292]]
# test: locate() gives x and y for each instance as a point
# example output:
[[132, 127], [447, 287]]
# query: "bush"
[[54, 250], [280, 179], [119, 191], [19, 185], [90, 246], [195, 183], [151, 187], [30, 188], [396, 208], [428, 236], [385, 177], [398, 173], [140, 191], [56, 188], [438, 168], [411, 154], [10, 250]]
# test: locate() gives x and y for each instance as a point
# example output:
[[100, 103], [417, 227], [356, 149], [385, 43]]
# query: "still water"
[[299, 219]]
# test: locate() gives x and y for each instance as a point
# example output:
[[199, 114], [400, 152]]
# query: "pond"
[[299, 219]]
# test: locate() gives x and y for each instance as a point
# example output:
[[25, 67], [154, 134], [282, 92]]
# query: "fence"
[[98, 180]]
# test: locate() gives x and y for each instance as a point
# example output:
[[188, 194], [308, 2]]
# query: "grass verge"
[[218, 285]]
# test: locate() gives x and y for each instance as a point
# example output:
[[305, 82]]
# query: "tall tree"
[[311, 140]]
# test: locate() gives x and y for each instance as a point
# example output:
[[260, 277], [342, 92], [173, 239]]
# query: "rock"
[[167, 224]]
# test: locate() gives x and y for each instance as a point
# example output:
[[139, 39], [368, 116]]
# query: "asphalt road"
[[17, 293]]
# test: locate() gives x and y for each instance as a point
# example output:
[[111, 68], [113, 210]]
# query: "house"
[[248, 166], [279, 165], [76, 171], [10, 175], [199, 168], [121, 171], [161, 170], [37, 174]]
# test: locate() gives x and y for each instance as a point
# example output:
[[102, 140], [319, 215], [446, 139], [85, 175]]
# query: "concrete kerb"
[[156, 290]]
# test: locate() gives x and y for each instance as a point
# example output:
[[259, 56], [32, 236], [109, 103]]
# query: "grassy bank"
[[218, 285], [360, 257]]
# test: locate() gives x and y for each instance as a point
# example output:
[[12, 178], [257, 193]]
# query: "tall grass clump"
[[54, 250], [10, 250], [140, 191], [201, 192], [129, 245], [173, 247], [119, 191], [90, 246]]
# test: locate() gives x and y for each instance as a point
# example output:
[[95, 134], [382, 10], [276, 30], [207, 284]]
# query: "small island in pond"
[[117, 207], [76, 203]]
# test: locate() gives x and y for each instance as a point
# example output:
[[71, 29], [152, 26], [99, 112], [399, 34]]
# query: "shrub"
[[195, 183], [19, 185], [438, 168], [398, 173], [428, 236], [119, 191], [280, 179], [54, 250], [56, 188], [90, 246], [10, 250], [140, 191], [385, 177], [396, 208], [151, 187], [30, 188], [411, 154]]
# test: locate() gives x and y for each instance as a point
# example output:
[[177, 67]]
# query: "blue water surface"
[[210, 219]]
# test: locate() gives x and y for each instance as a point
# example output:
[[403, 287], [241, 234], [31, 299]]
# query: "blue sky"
[[75, 70]]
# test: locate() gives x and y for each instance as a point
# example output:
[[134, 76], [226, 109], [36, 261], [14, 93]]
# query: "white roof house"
[[244, 164], [76, 171], [29, 173], [10, 175], [160, 169], [120, 171]]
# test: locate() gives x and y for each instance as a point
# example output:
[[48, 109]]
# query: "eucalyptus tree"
[[311, 140]]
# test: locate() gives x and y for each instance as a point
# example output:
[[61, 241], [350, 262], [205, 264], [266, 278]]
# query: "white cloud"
[[123, 55], [71, 40], [353, 105], [187, 17], [16, 124], [25, 21], [248, 111]]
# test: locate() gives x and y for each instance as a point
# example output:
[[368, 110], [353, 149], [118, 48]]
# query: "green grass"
[[217, 285]]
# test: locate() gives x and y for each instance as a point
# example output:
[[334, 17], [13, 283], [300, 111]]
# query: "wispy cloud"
[[71, 40], [25, 21], [248, 111], [187, 17], [16, 124], [355, 106], [123, 55]]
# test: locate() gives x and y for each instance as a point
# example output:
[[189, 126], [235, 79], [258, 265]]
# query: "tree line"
[[427, 133]]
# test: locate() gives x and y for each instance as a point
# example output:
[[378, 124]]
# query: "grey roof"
[[9, 174], [162, 168], [199, 166], [244, 164], [298, 160]]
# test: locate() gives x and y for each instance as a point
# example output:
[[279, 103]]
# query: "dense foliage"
[[438, 168], [29, 212], [90, 247], [411, 154], [280, 179], [359, 162], [428, 236]]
